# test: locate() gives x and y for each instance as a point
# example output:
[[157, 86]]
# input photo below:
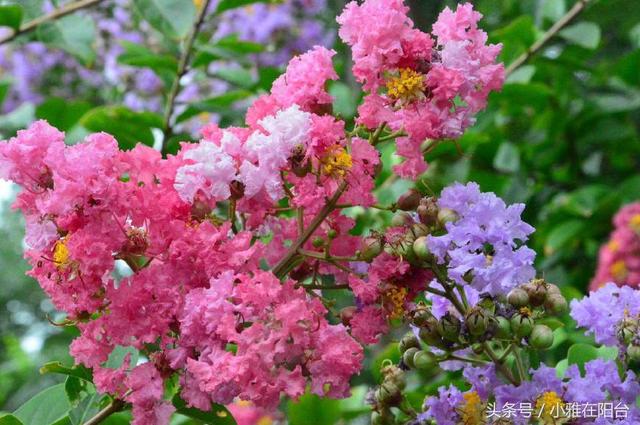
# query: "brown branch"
[[113, 407], [183, 68], [551, 32], [56, 14]]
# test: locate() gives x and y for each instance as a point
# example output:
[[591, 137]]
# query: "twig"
[[56, 14], [183, 67], [114, 407], [551, 32]]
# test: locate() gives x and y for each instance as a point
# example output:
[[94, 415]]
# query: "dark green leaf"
[[579, 354], [233, 44], [5, 85], [10, 420], [562, 235], [218, 415], [74, 34], [77, 371], [127, 126], [324, 411], [140, 56], [173, 18], [11, 16], [214, 104], [62, 113], [76, 389], [86, 409], [45, 407]]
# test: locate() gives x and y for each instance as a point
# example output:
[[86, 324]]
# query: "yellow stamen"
[[337, 162], [634, 223], [613, 245], [198, 3], [265, 420], [549, 407], [61, 255], [406, 86], [396, 298], [619, 271], [472, 410], [525, 311]]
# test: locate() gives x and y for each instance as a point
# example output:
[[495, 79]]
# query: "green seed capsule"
[[555, 304], [522, 325], [503, 328], [633, 351], [407, 357], [476, 321], [541, 337], [408, 341], [446, 215], [420, 248], [423, 360], [518, 297]]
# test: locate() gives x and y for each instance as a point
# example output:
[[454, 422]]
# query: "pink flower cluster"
[[428, 86], [208, 261], [619, 259]]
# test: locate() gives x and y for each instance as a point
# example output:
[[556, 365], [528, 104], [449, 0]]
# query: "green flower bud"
[[429, 333], [555, 303], [537, 290], [518, 297], [476, 321], [401, 219], [541, 337], [408, 341], [332, 234], [420, 248], [424, 360], [477, 348], [377, 419], [409, 200], [522, 323], [419, 229], [633, 352], [317, 242], [371, 248], [420, 315], [503, 328], [449, 327], [407, 357], [446, 215], [388, 394], [627, 330]]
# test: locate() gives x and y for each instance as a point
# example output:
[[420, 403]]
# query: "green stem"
[[499, 364]]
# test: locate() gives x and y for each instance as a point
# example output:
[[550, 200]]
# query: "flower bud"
[[633, 351], [407, 357], [424, 360], [388, 394], [541, 337], [476, 321], [346, 314], [420, 248], [428, 211], [421, 315], [332, 234], [518, 297], [627, 330], [371, 248], [555, 303], [449, 327], [477, 348], [537, 290], [430, 335], [446, 215], [419, 229], [522, 323], [401, 218], [503, 328], [409, 200], [317, 242], [237, 189], [408, 341]]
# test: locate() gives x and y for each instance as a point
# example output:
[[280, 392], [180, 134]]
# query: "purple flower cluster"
[[602, 311], [601, 383], [483, 248]]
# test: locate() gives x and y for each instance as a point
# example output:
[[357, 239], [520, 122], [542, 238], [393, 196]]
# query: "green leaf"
[[77, 371], [127, 126], [218, 415], [86, 409], [583, 34], [607, 353], [11, 16], [140, 56], [45, 407], [233, 44], [553, 322], [77, 389], [62, 113], [507, 158], [579, 354], [10, 420], [74, 34], [118, 355], [173, 18], [214, 104], [554, 9], [346, 101], [5, 85], [516, 37], [561, 235], [324, 411], [240, 77], [224, 5]]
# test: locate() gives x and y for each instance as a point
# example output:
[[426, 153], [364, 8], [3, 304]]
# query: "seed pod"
[[420, 248], [371, 248], [503, 328], [541, 337], [419, 229], [555, 303], [332, 234], [409, 340], [518, 297], [237, 189], [522, 324], [429, 332], [446, 215], [537, 290], [409, 200], [377, 419], [633, 352], [627, 330], [407, 357], [317, 242], [424, 360], [420, 315], [428, 211], [449, 327], [476, 321]]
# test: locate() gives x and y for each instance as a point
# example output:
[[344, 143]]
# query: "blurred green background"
[[562, 136]]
